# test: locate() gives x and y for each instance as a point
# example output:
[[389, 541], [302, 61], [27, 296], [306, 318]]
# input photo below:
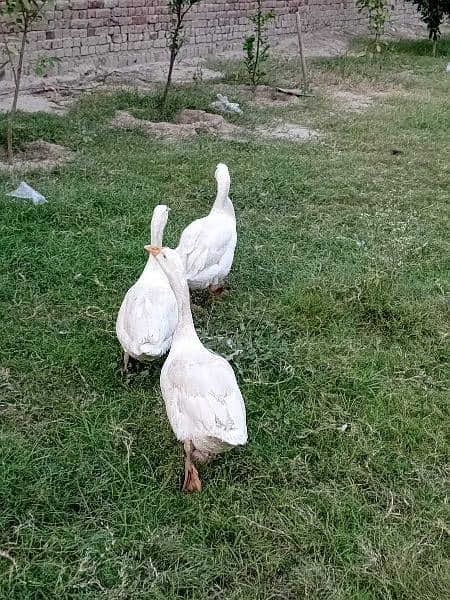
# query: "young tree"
[[175, 36], [16, 19], [378, 14], [433, 13], [256, 47]]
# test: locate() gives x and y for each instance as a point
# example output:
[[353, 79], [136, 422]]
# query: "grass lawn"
[[336, 324]]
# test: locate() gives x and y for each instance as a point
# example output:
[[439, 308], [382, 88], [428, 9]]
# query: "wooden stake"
[[302, 57]]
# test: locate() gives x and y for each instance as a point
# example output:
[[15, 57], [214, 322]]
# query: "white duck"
[[207, 245], [203, 401], [148, 315]]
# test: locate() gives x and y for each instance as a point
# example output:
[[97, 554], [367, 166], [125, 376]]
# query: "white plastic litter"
[[27, 192], [224, 105], [448, 67]]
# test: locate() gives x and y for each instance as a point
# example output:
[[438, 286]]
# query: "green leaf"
[[44, 64]]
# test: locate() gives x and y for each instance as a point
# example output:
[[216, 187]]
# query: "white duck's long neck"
[[156, 231], [222, 203], [151, 267], [156, 237], [185, 327]]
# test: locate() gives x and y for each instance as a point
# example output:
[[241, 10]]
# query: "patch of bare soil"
[[37, 155], [268, 96], [289, 131], [359, 101], [329, 42], [188, 123], [353, 101], [264, 95], [184, 71], [56, 93], [44, 101], [51, 95], [192, 122]]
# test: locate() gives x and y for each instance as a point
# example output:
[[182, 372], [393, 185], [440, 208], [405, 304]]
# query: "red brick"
[[110, 27]]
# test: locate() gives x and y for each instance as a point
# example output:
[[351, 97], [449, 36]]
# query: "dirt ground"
[[336, 42], [36, 155], [188, 123], [192, 122], [57, 93], [289, 131]]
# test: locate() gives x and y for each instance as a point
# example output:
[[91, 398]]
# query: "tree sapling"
[[175, 36], [16, 19], [256, 47]]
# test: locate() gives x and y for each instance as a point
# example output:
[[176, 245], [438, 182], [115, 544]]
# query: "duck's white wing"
[[203, 400], [146, 321], [203, 245], [226, 260]]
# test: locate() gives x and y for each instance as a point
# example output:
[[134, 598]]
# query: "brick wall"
[[116, 33]]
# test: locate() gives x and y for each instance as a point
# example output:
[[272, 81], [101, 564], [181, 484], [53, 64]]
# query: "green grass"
[[337, 314]]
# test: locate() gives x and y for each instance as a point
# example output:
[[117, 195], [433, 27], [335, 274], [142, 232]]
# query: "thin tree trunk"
[[258, 44], [173, 56], [434, 48], [174, 49], [10, 61], [12, 112]]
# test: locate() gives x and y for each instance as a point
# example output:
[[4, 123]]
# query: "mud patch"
[[37, 155], [188, 124]]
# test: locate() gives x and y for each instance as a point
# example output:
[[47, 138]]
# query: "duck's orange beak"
[[153, 250]]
